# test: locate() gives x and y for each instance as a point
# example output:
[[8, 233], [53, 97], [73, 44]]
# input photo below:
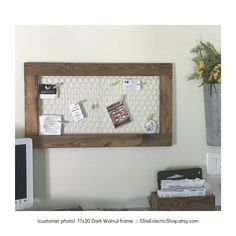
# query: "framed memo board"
[[139, 94]]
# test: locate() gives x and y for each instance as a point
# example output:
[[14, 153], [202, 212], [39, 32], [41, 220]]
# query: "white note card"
[[50, 125], [131, 84], [76, 112]]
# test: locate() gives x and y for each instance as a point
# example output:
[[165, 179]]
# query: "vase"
[[212, 102]]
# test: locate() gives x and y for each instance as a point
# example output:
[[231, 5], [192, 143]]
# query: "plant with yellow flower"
[[208, 64]]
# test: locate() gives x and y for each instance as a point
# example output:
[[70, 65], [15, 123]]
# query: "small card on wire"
[[50, 125], [76, 112], [118, 114], [131, 84], [47, 91]]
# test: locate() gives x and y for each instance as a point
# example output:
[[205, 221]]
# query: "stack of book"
[[184, 188]]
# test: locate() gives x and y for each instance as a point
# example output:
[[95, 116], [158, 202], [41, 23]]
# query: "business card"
[[47, 91], [131, 84]]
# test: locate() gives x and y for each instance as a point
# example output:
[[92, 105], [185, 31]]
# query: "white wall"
[[96, 177]]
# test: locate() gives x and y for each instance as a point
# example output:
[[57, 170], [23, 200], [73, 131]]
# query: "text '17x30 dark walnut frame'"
[[34, 70]]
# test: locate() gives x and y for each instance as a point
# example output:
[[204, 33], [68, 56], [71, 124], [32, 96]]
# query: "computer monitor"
[[23, 173]]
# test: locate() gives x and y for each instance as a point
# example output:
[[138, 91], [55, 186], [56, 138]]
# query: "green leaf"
[[192, 77], [196, 59]]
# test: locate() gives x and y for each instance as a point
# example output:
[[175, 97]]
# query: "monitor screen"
[[20, 172], [23, 173]]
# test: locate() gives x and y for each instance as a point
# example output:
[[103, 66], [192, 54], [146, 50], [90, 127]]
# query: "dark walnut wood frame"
[[33, 70]]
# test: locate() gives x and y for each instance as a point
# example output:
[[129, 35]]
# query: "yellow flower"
[[215, 74], [198, 72], [201, 64]]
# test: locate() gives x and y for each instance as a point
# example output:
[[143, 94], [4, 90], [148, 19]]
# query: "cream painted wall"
[[109, 177]]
